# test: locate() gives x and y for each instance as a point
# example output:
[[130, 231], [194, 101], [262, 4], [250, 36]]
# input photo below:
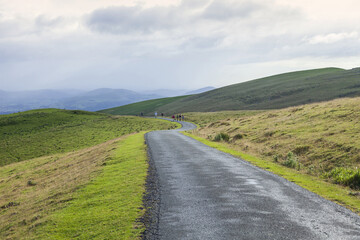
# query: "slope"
[[146, 107], [274, 92], [279, 91], [38, 133], [320, 139]]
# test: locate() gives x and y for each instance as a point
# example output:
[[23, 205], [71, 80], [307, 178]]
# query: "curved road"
[[203, 193]]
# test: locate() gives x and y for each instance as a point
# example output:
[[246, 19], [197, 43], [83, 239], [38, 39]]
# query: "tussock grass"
[[221, 137]]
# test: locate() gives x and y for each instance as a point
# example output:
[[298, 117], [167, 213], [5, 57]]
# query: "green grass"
[[274, 92], [278, 91], [109, 206], [38, 133], [336, 193], [146, 107]]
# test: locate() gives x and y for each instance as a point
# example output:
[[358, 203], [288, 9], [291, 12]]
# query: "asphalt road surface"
[[202, 193]]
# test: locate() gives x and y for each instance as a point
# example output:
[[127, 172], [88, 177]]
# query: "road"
[[202, 193]]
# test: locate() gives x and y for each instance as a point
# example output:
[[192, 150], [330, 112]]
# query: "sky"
[[170, 44]]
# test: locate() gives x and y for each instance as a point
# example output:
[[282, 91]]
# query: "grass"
[[146, 107], [320, 136], [319, 140], [274, 92], [336, 193], [93, 193], [39, 133], [60, 165], [109, 206], [54, 179]]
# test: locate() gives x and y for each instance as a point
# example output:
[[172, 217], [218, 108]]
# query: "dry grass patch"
[[321, 137], [33, 189]]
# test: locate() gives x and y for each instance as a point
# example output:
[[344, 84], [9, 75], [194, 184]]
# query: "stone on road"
[[208, 194]]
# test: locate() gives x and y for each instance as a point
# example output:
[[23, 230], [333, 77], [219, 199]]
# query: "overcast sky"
[[188, 44]]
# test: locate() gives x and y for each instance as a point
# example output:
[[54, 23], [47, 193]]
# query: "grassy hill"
[[72, 174], [323, 137], [274, 92], [38, 133], [146, 107]]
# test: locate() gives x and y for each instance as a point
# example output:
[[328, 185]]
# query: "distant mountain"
[[95, 100], [201, 90], [166, 92], [26, 100], [103, 98], [274, 92]]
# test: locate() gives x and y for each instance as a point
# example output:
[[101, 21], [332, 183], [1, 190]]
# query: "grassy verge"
[[338, 194], [108, 207], [31, 190]]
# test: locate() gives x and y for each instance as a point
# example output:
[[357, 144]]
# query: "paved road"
[[206, 194]]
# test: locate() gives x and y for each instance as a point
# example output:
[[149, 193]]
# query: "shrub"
[[238, 136], [345, 176], [222, 137], [291, 161]]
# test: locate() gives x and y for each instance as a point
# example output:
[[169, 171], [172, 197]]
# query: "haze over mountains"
[[94, 100]]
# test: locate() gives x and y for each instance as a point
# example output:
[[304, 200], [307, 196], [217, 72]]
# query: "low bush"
[[345, 176], [221, 137], [238, 136], [291, 161]]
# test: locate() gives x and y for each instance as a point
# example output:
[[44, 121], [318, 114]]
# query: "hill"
[[103, 98], [63, 174], [38, 133], [201, 90], [323, 138], [274, 92], [146, 107]]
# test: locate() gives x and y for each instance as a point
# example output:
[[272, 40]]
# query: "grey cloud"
[[132, 19], [222, 10], [43, 21], [203, 42]]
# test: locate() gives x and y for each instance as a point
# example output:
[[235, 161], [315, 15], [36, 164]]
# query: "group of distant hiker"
[[178, 117]]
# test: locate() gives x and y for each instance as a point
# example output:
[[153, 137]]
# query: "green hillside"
[[38, 133], [73, 174], [146, 107], [274, 92]]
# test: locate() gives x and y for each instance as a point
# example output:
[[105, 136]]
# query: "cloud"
[[43, 21], [333, 37], [121, 20], [222, 10]]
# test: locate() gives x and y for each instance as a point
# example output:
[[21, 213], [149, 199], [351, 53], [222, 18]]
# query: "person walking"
[[155, 114], [173, 117]]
